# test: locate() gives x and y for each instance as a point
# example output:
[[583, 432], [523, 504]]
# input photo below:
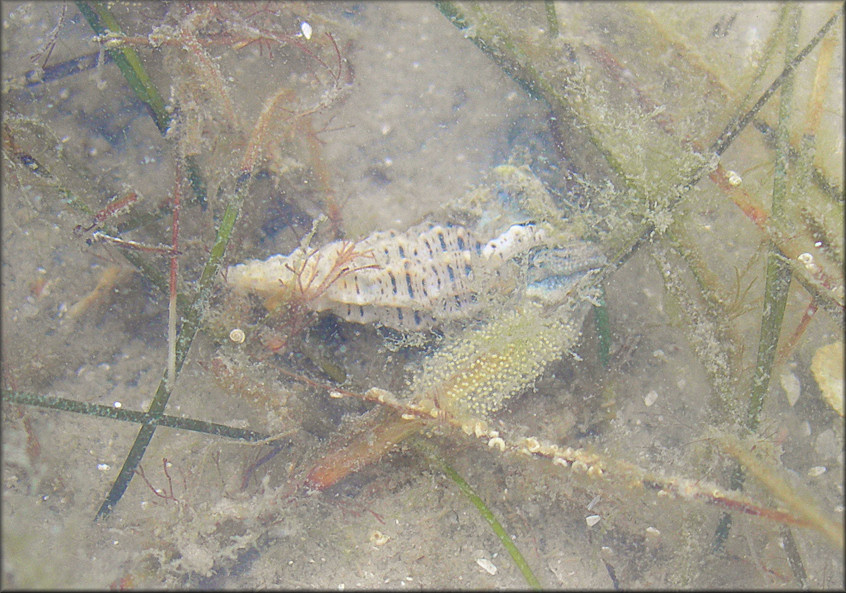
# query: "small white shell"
[[305, 29], [733, 178], [650, 398], [377, 538], [486, 565], [497, 442]]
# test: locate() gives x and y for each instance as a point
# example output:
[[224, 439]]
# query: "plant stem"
[[551, 18], [493, 39], [603, 329], [122, 415], [174, 276], [725, 139], [103, 23], [190, 326], [483, 509], [778, 271]]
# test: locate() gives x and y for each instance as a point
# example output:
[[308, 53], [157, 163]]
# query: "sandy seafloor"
[[426, 117]]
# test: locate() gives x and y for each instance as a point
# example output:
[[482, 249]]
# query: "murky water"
[[372, 117]]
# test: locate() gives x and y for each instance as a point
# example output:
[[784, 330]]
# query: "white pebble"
[[792, 387], [650, 398], [592, 520], [826, 445], [305, 29], [594, 502], [486, 565]]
